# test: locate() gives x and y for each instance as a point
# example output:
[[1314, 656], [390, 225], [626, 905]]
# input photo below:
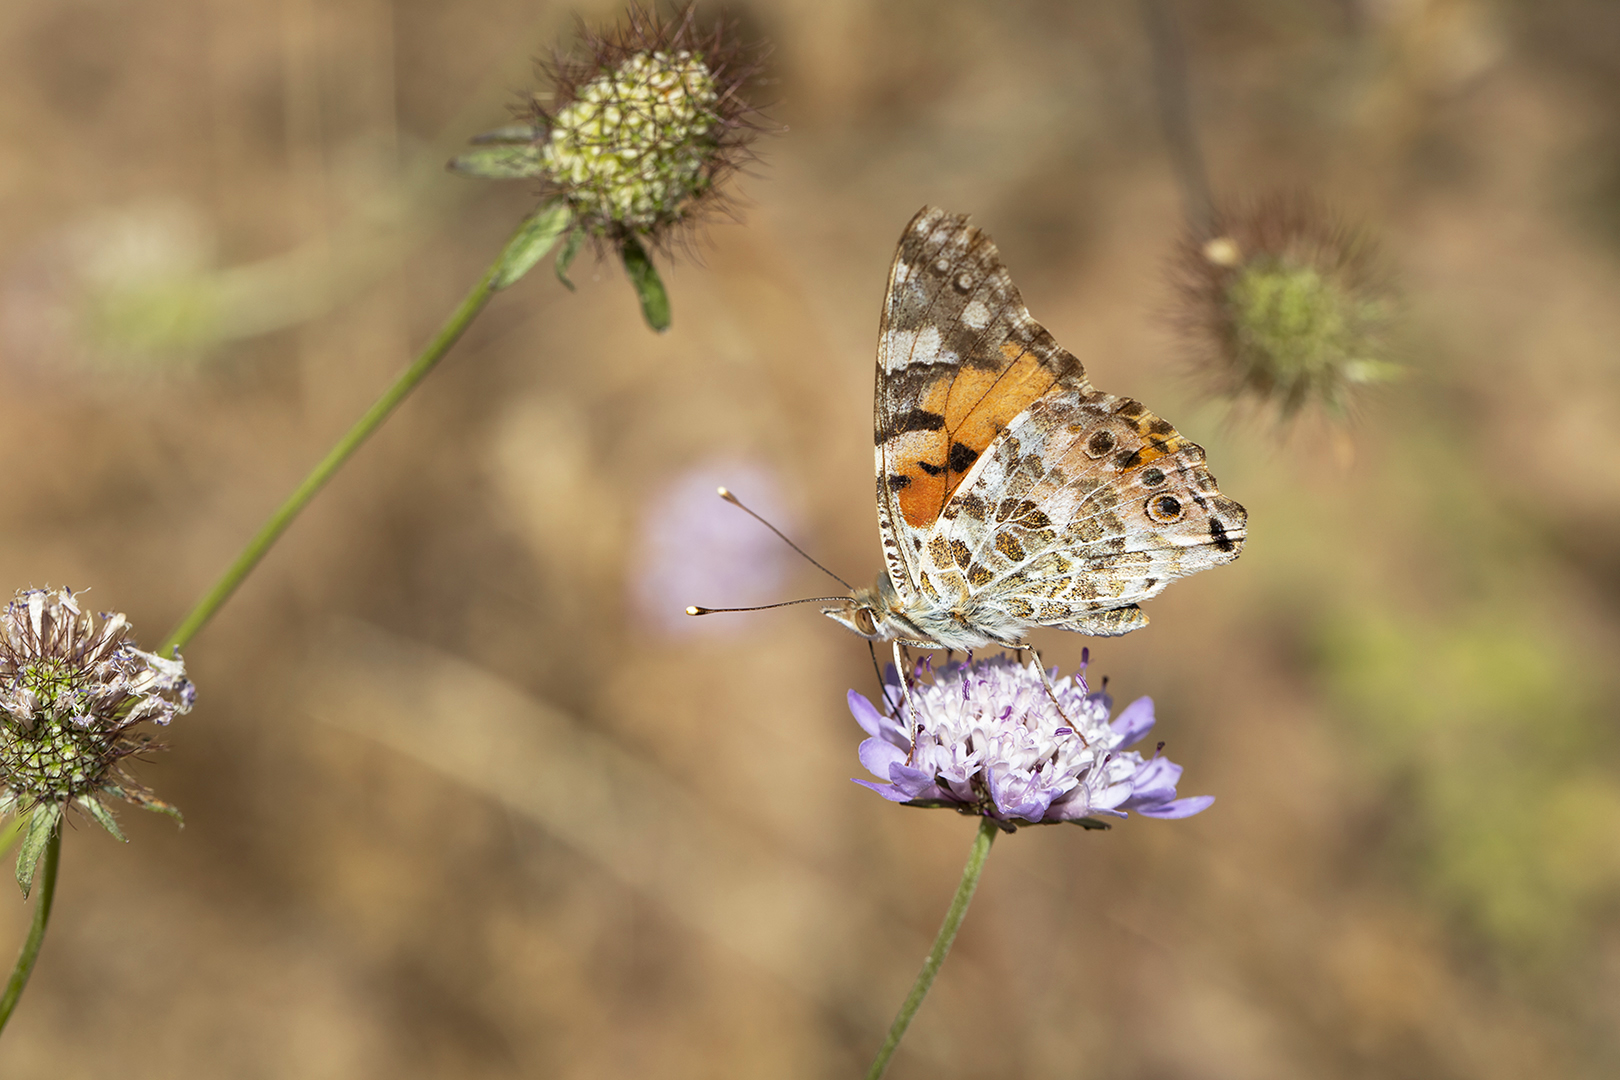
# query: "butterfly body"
[[1011, 493]]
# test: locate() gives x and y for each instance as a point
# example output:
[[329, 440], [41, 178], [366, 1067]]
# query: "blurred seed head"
[[118, 290], [641, 132], [1285, 305], [72, 694]]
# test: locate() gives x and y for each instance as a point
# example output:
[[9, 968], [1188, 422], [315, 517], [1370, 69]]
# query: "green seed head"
[[644, 124], [72, 693], [1283, 306], [1296, 330], [55, 761], [634, 147]]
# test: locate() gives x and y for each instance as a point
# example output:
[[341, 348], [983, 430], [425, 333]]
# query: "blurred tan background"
[[463, 801]]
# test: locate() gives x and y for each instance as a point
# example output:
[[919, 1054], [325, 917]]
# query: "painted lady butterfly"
[[1010, 492]]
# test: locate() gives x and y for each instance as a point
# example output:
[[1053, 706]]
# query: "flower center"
[[51, 680], [1293, 321], [57, 759]]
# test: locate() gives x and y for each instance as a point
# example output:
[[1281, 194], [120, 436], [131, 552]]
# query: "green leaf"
[[510, 134], [565, 257], [98, 810], [145, 800], [531, 242], [500, 161], [649, 288], [41, 823]]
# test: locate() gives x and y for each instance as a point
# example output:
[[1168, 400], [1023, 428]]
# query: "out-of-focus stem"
[[1175, 114]]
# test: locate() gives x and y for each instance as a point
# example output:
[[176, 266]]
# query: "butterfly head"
[[871, 613]]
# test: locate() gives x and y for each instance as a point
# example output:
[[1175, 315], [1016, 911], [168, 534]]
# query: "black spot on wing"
[[961, 458], [897, 481], [911, 420], [930, 468], [1217, 532]]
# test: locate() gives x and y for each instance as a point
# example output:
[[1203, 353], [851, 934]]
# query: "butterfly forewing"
[[958, 358]]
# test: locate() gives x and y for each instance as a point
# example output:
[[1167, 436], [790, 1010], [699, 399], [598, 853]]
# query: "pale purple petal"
[[866, 714], [879, 757], [1179, 808], [1156, 780], [916, 783], [888, 791], [1019, 796], [1133, 722]]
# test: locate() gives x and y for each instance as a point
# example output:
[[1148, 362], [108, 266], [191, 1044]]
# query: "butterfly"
[[1011, 493]]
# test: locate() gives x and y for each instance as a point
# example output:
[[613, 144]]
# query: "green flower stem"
[[36, 933], [942, 945], [526, 245]]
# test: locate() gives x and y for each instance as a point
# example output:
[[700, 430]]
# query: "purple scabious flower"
[[984, 738]]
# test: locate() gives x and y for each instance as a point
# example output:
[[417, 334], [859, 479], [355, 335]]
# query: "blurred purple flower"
[[694, 548], [985, 739]]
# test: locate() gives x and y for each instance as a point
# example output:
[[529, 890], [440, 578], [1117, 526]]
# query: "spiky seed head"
[[1285, 304], [73, 692], [640, 134]]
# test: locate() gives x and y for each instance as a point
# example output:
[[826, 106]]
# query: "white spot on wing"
[[976, 315], [926, 348]]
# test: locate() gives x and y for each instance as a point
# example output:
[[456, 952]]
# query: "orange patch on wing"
[[982, 403], [923, 498], [977, 406]]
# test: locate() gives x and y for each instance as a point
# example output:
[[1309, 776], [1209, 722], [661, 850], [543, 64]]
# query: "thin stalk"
[[942, 945], [284, 516], [1175, 114], [36, 932]]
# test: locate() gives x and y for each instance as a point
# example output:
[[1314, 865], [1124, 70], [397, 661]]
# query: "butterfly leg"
[[1051, 691], [905, 694]]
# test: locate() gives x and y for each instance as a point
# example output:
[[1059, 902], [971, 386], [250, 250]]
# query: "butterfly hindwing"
[[1087, 505]]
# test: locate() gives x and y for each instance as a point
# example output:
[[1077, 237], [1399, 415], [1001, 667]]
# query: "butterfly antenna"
[[695, 610], [725, 493]]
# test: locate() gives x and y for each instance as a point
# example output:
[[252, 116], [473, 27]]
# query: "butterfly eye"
[[1165, 508], [864, 621]]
